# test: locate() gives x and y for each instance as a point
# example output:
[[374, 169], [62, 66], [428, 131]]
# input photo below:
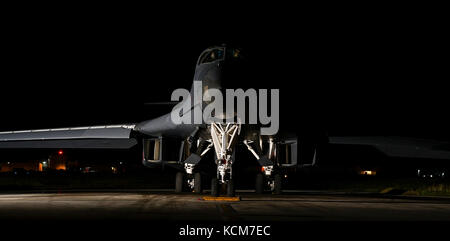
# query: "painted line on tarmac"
[[228, 199]]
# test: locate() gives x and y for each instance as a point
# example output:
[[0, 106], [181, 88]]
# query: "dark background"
[[358, 75]]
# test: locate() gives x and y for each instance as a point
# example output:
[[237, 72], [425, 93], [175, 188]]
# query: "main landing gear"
[[185, 182], [266, 181], [223, 140]]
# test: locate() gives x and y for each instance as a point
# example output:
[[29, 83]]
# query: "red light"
[[60, 152]]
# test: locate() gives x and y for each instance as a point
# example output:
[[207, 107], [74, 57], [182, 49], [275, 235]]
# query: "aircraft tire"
[[259, 183], [230, 188], [277, 187], [198, 183], [214, 187], [179, 182]]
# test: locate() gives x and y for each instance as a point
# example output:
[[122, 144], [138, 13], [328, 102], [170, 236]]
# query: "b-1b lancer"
[[198, 148], [185, 146]]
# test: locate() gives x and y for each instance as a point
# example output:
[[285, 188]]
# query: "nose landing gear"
[[224, 138]]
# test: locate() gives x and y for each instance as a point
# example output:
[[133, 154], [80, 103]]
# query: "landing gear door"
[[152, 149], [307, 153], [161, 151], [287, 150]]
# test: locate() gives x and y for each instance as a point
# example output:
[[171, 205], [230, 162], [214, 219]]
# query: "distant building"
[[54, 162], [10, 166]]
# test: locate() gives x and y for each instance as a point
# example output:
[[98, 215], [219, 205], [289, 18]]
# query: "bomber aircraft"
[[193, 146]]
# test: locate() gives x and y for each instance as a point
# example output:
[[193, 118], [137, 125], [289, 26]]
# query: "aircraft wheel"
[[214, 187], [277, 184], [230, 188], [259, 184], [198, 183], [179, 182]]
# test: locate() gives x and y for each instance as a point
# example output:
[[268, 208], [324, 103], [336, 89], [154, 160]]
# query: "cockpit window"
[[236, 53], [211, 56]]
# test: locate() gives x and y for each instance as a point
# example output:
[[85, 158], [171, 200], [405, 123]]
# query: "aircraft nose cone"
[[213, 78]]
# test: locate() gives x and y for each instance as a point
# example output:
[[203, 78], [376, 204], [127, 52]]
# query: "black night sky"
[[356, 76]]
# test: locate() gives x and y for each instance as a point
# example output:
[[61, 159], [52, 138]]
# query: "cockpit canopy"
[[218, 53]]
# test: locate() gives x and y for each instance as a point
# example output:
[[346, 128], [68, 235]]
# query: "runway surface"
[[168, 206]]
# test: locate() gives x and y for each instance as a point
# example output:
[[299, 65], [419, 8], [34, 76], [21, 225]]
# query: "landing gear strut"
[[193, 178], [224, 137]]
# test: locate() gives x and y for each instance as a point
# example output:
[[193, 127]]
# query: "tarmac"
[[164, 205]]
